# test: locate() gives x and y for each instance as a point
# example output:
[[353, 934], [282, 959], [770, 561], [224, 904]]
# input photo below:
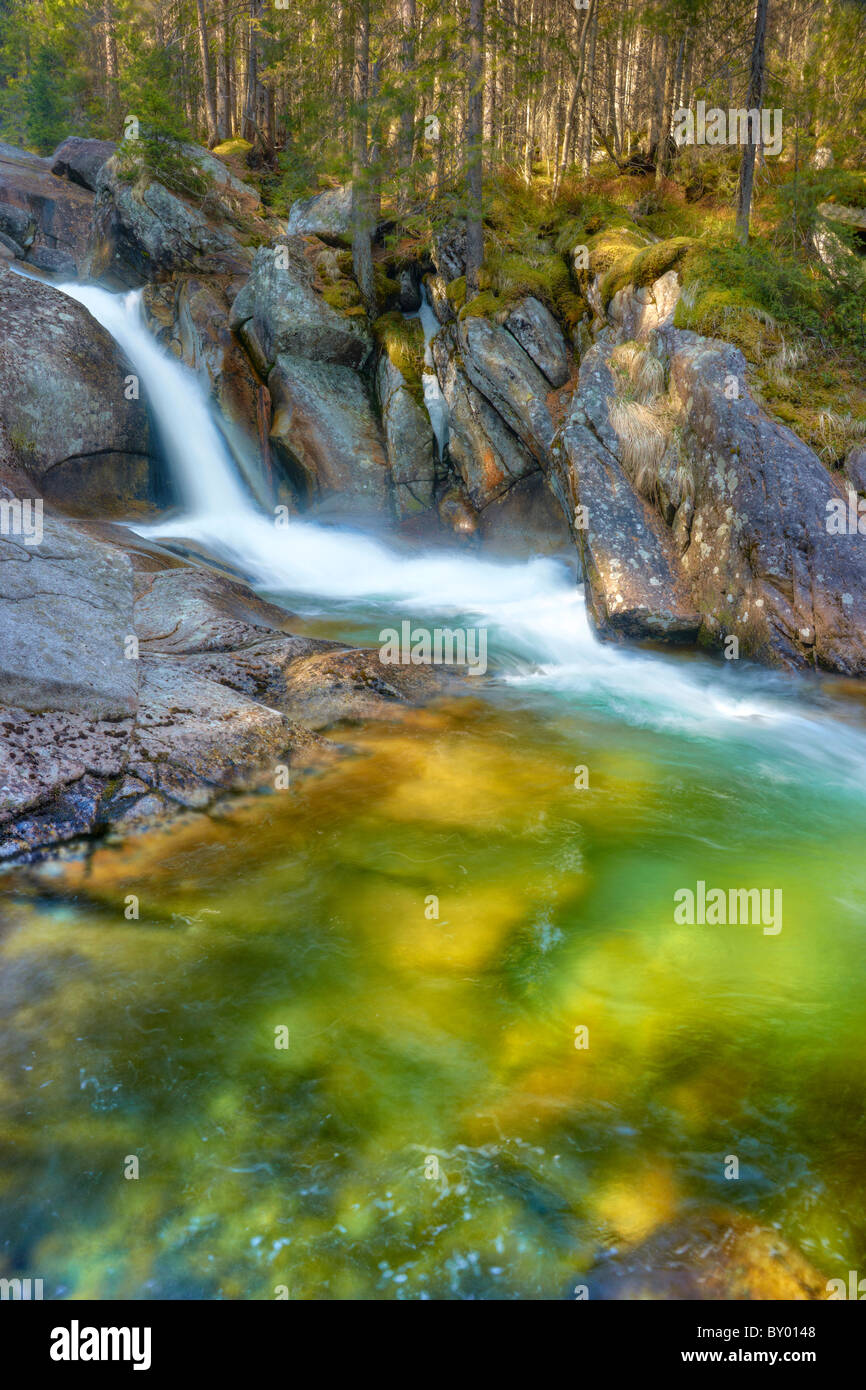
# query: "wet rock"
[[410, 291], [59, 212], [486, 453], [333, 686], [195, 737], [63, 404], [763, 560], [634, 588], [280, 310], [715, 1255], [506, 376], [538, 333], [190, 316], [80, 160], [326, 437], [327, 215], [525, 521], [409, 440]]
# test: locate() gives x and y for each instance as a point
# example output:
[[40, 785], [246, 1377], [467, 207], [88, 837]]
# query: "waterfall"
[[202, 469], [437, 407], [540, 636]]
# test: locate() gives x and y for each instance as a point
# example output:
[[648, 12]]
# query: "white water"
[[538, 628], [437, 407]]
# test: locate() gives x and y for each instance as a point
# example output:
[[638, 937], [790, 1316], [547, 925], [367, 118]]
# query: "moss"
[[402, 340], [344, 296], [235, 146], [641, 267], [726, 312], [385, 287], [455, 292], [484, 305]]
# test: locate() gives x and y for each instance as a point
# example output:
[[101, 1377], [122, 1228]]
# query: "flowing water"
[[331, 1090]]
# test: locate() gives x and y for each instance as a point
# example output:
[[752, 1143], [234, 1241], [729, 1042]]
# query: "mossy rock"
[[344, 296], [455, 292], [642, 267], [485, 305], [725, 312], [402, 340]]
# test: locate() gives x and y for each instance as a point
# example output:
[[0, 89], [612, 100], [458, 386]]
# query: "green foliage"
[[162, 158], [49, 97]]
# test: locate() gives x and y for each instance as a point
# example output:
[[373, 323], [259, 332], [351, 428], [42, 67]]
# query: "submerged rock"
[[716, 1255]]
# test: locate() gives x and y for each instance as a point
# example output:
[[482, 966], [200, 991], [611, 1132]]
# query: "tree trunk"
[[362, 244], [223, 110], [409, 20], [753, 102], [214, 134], [578, 85], [474, 150], [111, 96]]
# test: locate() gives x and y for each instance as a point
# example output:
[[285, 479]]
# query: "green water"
[[310, 1168]]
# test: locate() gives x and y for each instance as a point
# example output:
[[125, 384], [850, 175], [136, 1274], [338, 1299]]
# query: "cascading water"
[[434, 400], [540, 637]]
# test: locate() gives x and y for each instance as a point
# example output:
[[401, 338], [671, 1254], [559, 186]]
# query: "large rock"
[[281, 310], [327, 215], [488, 455], [142, 232], [538, 333], [94, 737], [449, 250], [409, 440], [763, 561], [53, 216], [65, 616], [634, 588], [635, 312], [506, 376], [327, 438], [80, 160], [63, 404]]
